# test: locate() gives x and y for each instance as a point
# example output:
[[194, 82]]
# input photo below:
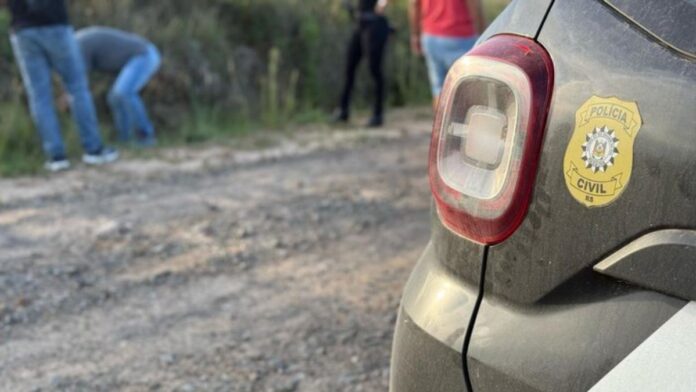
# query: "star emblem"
[[600, 149]]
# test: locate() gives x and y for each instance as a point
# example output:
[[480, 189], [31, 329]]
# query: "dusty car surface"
[[563, 173]]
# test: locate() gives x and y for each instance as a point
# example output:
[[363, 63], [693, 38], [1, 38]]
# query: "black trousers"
[[369, 39]]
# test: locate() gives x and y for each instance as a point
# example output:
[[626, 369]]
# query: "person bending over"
[[443, 30], [369, 39], [134, 61], [43, 41]]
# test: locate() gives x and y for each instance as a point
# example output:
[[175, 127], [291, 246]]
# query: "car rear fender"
[[548, 321]]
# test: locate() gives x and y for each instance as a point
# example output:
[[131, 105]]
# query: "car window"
[[673, 22]]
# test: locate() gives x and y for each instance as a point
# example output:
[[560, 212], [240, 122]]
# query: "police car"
[[563, 174]]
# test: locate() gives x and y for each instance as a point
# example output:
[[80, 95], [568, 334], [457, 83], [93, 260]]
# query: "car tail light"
[[487, 137]]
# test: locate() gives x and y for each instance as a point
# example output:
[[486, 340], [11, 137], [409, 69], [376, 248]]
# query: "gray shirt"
[[109, 50]]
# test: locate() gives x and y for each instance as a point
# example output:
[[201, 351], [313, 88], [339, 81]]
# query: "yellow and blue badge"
[[599, 159]]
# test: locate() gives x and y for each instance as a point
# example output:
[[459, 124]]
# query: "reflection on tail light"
[[487, 137]]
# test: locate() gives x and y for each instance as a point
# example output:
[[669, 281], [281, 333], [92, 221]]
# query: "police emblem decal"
[[599, 158], [600, 149]]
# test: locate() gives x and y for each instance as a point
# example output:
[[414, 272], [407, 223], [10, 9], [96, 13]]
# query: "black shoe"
[[375, 122], [340, 116]]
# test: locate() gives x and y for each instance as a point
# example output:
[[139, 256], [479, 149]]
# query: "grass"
[[492, 8], [20, 148], [20, 145]]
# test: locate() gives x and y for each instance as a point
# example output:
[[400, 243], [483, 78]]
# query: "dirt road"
[[215, 269]]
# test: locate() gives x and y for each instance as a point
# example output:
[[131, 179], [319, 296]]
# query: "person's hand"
[[381, 7], [416, 47], [62, 102]]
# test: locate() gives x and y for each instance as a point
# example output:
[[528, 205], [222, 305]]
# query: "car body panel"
[[658, 19], [462, 259], [430, 330], [520, 18], [561, 237], [422, 363], [439, 302], [643, 262], [548, 322], [663, 362], [568, 341]]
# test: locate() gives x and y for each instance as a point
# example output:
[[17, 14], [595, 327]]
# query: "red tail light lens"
[[487, 137]]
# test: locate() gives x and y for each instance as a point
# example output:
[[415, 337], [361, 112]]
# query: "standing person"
[[134, 60], [443, 30], [43, 41], [370, 39]]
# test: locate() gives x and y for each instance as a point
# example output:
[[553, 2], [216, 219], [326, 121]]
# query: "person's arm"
[[414, 17], [477, 15]]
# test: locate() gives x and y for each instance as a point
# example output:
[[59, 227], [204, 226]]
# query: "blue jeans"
[[440, 55], [127, 108], [39, 51]]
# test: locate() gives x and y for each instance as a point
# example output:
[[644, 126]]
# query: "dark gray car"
[[563, 171]]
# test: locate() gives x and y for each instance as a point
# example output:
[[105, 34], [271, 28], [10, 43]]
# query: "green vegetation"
[[230, 66], [492, 8]]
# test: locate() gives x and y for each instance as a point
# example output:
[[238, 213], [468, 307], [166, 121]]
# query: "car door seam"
[[472, 320], [543, 20]]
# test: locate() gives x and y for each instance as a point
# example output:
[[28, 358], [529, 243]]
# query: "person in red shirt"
[[443, 31]]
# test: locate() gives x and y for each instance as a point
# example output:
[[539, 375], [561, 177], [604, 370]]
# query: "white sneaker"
[[57, 165], [104, 156]]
